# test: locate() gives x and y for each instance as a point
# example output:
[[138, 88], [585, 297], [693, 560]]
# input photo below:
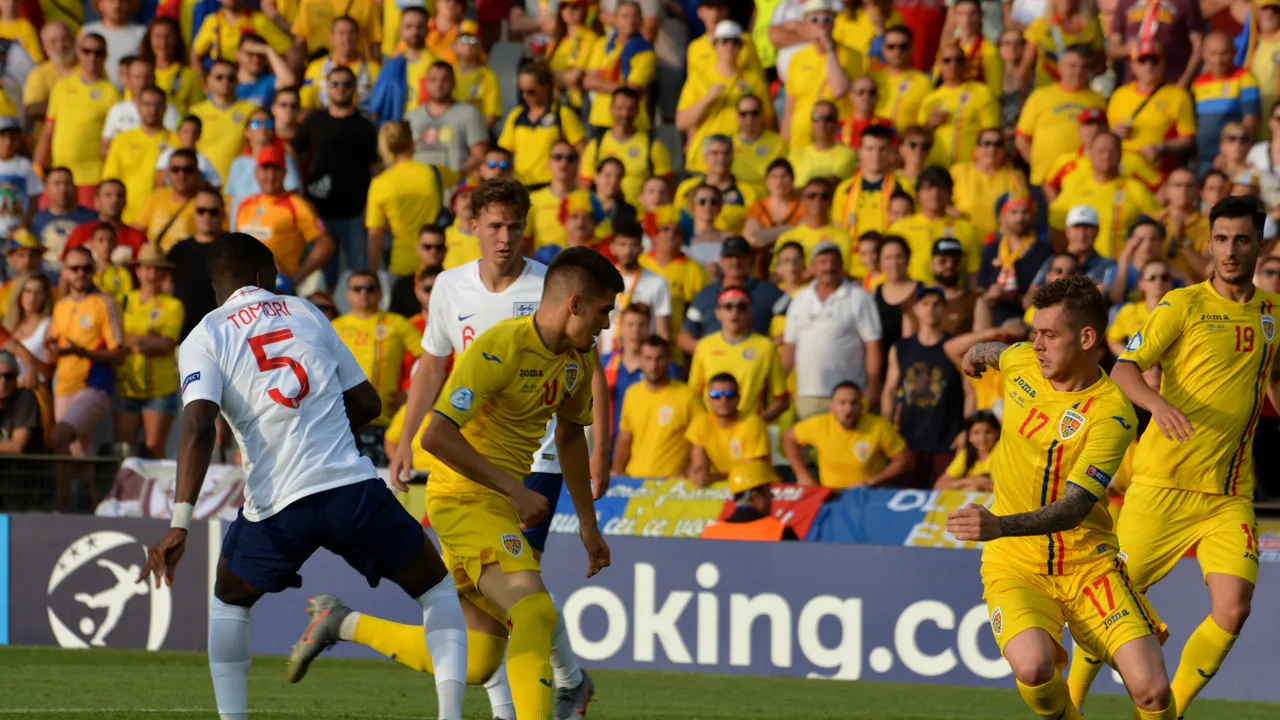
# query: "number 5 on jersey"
[[259, 343]]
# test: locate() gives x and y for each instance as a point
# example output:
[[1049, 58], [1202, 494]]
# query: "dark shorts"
[[362, 523], [547, 485]]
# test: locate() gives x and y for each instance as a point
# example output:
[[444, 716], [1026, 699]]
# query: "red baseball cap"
[[271, 155], [1146, 48], [1092, 115]]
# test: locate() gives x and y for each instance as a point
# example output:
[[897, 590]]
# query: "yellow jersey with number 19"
[[502, 393], [1216, 357], [1050, 439]]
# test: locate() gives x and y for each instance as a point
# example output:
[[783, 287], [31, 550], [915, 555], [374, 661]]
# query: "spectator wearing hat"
[[824, 157], [1011, 260], [654, 413], [475, 83], [957, 111], [53, 224], [21, 426], [241, 182], [132, 154], [815, 226], [980, 184], [855, 447], [861, 203], [933, 221], [404, 198], [23, 253], [701, 54], [1082, 232], [1116, 200], [1154, 119], [624, 58], [752, 517], [223, 117], [1048, 121], [821, 70], [285, 222], [641, 156], [1223, 94], [1176, 25], [190, 259], [1069, 25], [832, 334], [724, 436], [737, 196], [168, 215], [146, 394], [642, 286], [313, 22], [901, 88], [1187, 249], [19, 183], [708, 103], [750, 357], [447, 132], [344, 50], [767, 301], [924, 394], [966, 309], [1071, 167], [685, 277], [755, 146]]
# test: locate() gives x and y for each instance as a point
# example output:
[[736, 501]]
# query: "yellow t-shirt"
[[115, 281], [737, 201], [721, 116], [809, 162], [754, 362], [415, 75], [503, 391], [657, 421], [641, 156], [920, 232], [607, 63], [314, 18], [746, 439], [24, 33], [970, 108], [1050, 38], [181, 86], [1216, 357], [809, 237], [1048, 119], [1074, 167], [91, 322], [480, 88], [78, 111], [158, 209], [460, 248], [1171, 113], [533, 140], [976, 194], [700, 58], [1128, 320], [150, 376], [572, 53], [222, 139], [807, 84], [859, 207], [379, 343], [220, 33], [858, 32], [684, 278], [1050, 439], [1265, 67], [131, 159], [849, 457], [956, 468], [901, 94], [544, 223], [402, 199], [752, 159], [1118, 203]]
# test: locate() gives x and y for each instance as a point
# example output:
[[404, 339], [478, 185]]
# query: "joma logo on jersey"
[[530, 373], [1115, 617], [1070, 424], [1026, 386], [1214, 318]]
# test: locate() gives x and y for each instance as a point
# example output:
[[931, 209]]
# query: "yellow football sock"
[[1168, 713], [407, 645], [1050, 700], [1084, 669], [1201, 657], [532, 620]]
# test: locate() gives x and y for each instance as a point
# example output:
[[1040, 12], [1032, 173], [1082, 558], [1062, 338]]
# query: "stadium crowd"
[[817, 206]]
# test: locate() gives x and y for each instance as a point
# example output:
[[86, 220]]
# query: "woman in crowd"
[[895, 290], [790, 274], [569, 48], [971, 469], [27, 317], [461, 246], [777, 213], [1146, 239], [403, 199], [147, 379], [705, 238], [164, 49], [1156, 279], [535, 125], [607, 186]]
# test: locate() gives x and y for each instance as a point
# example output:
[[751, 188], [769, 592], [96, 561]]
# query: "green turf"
[[85, 684]]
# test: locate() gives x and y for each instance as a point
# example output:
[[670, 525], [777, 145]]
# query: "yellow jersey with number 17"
[[1051, 439], [1216, 357], [502, 393]]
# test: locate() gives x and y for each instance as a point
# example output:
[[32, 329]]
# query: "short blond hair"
[[394, 138]]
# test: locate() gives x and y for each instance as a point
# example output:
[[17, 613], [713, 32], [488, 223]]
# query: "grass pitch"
[[128, 684]]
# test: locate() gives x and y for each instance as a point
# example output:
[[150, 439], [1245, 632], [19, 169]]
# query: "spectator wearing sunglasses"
[[537, 124], [958, 110], [900, 87], [984, 64], [641, 156], [913, 153], [982, 182], [815, 227], [21, 427], [821, 70], [430, 250], [223, 117], [189, 133], [544, 224], [725, 435], [1153, 118], [865, 96], [854, 446], [750, 357], [190, 260], [1223, 94], [737, 196], [1154, 280], [447, 132], [709, 100], [78, 108], [241, 182], [475, 82], [755, 146], [824, 158], [345, 51], [168, 215], [498, 164]]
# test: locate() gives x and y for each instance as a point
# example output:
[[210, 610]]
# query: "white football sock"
[[446, 632], [347, 629], [229, 658], [504, 708], [563, 662]]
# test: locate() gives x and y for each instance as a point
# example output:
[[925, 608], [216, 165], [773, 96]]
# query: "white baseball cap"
[[1082, 215], [727, 30], [819, 6]]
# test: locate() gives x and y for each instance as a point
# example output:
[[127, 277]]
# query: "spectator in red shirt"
[[865, 96], [109, 202], [926, 19]]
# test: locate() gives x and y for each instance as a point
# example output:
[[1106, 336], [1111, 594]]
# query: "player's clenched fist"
[[530, 506], [973, 522], [597, 549]]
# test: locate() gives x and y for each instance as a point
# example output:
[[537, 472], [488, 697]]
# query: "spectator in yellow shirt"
[[701, 54], [1047, 125], [168, 215], [403, 199], [750, 357], [224, 118], [656, 414], [902, 88], [147, 381], [983, 64], [133, 154], [219, 35], [60, 46], [461, 245], [1186, 227], [957, 111], [824, 158], [724, 436], [708, 103], [1154, 119], [815, 225], [982, 182], [284, 221], [20, 30], [623, 59], [164, 49], [854, 447], [475, 83], [738, 197], [823, 69], [81, 101], [932, 221], [861, 204], [755, 147], [569, 49], [684, 276], [1117, 200], [534, 126], [1049, 34], [345, 50], [971, 470], [109, 276], [313, 22]]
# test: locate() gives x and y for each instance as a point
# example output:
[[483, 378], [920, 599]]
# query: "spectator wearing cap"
[[815, 226], [1070, 25], [737, 196], [709, 100], [190, 259], [344, 50], [924, 394], [1223, 94], [285, 222], [832, 334], [21, 426], [642, 286], [146, 393], [622, 59], [901, 88], [405, 197], [1011, 260], [167, 216], [752, 517], [642, 157], [220, 34], [983, 64], [957, 111], [19, 183], [653, 413], [545, 203], [447, 132], [749, 356], [475, 83], [1155, 279], [78, 107], [855, 447], [1074, 166], [755, 147], [132, 154], [1175, 25], [1116, 200], [1154, 119], [701, 56], [1082, 232], [965, 307], [223, 117], [861, 203], [1048, 121], [23, 253], [933, 221], [241, 182], [685, 277], [110, 203], [821, 70], [725, 435], [767, 301], [824, 157], [1187, 228], [54, 223], [981, 184]]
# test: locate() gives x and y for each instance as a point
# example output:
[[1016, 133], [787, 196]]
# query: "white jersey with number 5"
[[277, 369], [462, 308]]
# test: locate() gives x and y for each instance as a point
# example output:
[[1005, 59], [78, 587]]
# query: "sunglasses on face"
[[210, 211], [182, 169], [895, 46], [1148, 60], [364, 288], [748, 113], [723, 394], [707, 201], [78, 268], [1161, 277], [341, 84], [433, 247], [1236, 138], [735, 307], [918, 145], [954, 60], [1060, 270], [94, 51], [260, 124], [10, 375], [825, 118], [989, 143], [865, 91], [564, 157], [498, 164], [469, 40], [221, 76], [820, 20], [817, 195]]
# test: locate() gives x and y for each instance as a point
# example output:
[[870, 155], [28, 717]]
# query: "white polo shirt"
[[643, 288], [830, 337]]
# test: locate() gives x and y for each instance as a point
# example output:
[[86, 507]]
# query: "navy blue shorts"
[[548, 486], [362, 523]]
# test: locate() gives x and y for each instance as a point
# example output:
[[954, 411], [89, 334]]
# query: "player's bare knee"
[[231, 590], [1231, 615], [1032, 669], [1152, 693]]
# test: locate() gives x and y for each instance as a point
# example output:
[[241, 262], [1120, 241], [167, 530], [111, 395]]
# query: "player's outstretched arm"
[[424, 386], [196, 438], [571, 444], [975, 522], [982, 356], [445, 440]]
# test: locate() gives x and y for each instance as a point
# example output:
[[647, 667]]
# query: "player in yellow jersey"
[[1051, 557], [1193, 474]]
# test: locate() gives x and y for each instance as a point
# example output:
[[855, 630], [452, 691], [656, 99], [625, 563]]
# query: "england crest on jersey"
[[1070, 424], [571, 374], [1268, 327]]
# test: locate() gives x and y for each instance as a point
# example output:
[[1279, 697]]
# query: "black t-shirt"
[[191, 283], [403, 301], [23, 411], [341, 152]]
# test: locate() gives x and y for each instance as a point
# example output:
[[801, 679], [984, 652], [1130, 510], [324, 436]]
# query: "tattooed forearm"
[[1064, 513], [987, 354]]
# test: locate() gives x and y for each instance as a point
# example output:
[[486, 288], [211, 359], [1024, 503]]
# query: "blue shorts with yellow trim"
[[547, 485], [1158, 525]]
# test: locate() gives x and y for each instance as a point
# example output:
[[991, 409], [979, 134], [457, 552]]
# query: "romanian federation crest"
[[1070, 424], [513, 544], [665, 414], [571, 374], [997, 622], [862, 450], [1268, 327]]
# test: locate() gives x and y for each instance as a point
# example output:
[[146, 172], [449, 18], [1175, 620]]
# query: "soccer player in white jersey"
[[466, 301], [294, 396]]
